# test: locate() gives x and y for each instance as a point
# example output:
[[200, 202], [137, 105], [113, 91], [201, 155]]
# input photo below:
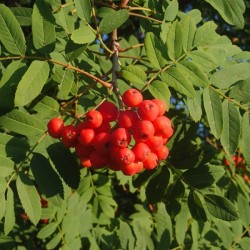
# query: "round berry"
[[151, 161], [109, 111], [143, 130], [69, 136], [105, 127], [141, 151], [101, 143], [132, 168], [86, 136], [163, 126], [132, 98], [127, 118], [97, 160], [83, 151], [55, 127], [93, 119], [161, 106], [124, 156], [148, 110], [85, 162], [154, 142], [162, 152], [120, 138]]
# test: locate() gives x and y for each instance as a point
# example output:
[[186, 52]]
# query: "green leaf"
[[194, 106], [195, 207], [174, 41], [47, 230], [83, 35], [244, 211], [157, 185], [134, 74], [224, 78], [194, 73], [65, 19], [231, 11], [241, 91], [126, 236], [245, 136], [243, 243], [43, 28], [52, 244], [225, 233], [74, 50], [188, 32], [83, 9], [203, 176], [113, 21], [163, 227], [45, 176], [65, 163], [22, 123], [13, 147], [206, 34], [10, 217], [175, 78], [11, 34], [213, 108], [231, 127], [171, 11], [65, 78], [47, 107], [160, 90], [29, 197], [23, 15], [220, 207], [155, 50], [181, 223], [32, 83], [6, 166], [205, 60], [11, 77]]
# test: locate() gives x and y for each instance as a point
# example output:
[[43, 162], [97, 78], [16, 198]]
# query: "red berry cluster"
[[136, 141]]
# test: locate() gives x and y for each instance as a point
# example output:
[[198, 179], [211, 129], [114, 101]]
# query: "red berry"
[[109, 111], [132, 168], [132, 98], [151, 161], [105, 127], [141, 151], [69, 136], [120, 138], [97, 160], [148, 110], [154, 142], [143, 130], [93, 119], [83, 151], [163, 126], [101, 143], [162, 152], [124, 156], [86, 136], [55, 127], [161, 106], [85, 162], [127, 118]]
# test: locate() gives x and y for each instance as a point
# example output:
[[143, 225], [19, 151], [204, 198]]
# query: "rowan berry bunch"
[[136, 141]]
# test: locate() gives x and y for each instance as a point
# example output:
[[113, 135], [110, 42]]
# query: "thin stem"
[[229, 99], [132, 47], [236, 241], [65, 65], [115, 69], [99, 37], [145, 17]]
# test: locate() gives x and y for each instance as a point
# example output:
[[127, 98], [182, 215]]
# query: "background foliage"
[[56, 59]]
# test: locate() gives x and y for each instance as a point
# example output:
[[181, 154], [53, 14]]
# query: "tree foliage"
[[63, 58]]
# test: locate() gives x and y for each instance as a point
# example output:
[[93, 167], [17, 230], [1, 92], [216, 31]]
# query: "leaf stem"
[[145, 17]]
